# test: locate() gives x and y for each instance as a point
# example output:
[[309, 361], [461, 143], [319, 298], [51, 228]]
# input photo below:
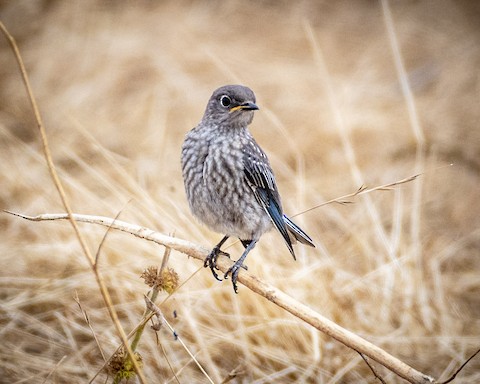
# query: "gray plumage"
[[229, 183]]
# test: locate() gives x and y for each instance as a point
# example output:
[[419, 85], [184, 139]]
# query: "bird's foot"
[[211, 261], [234, 270]]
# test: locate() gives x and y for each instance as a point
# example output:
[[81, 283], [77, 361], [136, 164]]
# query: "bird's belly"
[[230, 208]]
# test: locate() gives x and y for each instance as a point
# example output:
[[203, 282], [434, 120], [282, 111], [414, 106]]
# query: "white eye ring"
[[225, 101]]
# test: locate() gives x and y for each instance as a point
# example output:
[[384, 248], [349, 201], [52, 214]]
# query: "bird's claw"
[[234, 270], [211, 261]]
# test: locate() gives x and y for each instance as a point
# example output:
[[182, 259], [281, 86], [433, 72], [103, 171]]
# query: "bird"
[[229, 183]]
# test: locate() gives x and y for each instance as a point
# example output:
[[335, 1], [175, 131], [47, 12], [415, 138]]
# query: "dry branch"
[[258, 286]]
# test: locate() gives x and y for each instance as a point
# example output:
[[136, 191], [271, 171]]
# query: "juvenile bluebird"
[[229, 183]]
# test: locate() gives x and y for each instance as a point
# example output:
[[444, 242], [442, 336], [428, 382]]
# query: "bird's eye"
[[225, 100]]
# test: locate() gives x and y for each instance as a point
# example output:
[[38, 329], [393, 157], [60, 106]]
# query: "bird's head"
[[232, 105]]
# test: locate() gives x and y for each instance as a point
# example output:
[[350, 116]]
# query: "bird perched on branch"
[[229, 183]]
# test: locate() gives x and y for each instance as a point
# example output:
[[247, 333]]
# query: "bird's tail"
[[297, 232]]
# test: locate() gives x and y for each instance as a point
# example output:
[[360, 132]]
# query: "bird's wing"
[[259, 176]]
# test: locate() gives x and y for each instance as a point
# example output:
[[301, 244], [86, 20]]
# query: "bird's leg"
[[235, 268], [211, 259], [245, 244]]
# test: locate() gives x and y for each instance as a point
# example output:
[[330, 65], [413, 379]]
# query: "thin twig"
[[105, 236], [360, 191], [87, 320], [374, 371], [161, 319], [63, 197], [451, 378], [363, 190], [166, 257], [168, 362]]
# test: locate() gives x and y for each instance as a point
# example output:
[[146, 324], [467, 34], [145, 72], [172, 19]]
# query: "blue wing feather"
[[259, 176]]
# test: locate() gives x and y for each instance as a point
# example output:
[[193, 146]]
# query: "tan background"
[[120, 83]]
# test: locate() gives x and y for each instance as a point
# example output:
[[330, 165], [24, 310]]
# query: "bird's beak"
[[245, 106]]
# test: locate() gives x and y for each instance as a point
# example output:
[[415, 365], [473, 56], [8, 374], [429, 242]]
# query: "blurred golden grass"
[[118, 87]]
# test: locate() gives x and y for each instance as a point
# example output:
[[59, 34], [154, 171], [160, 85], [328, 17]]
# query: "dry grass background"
[[120, 83]]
